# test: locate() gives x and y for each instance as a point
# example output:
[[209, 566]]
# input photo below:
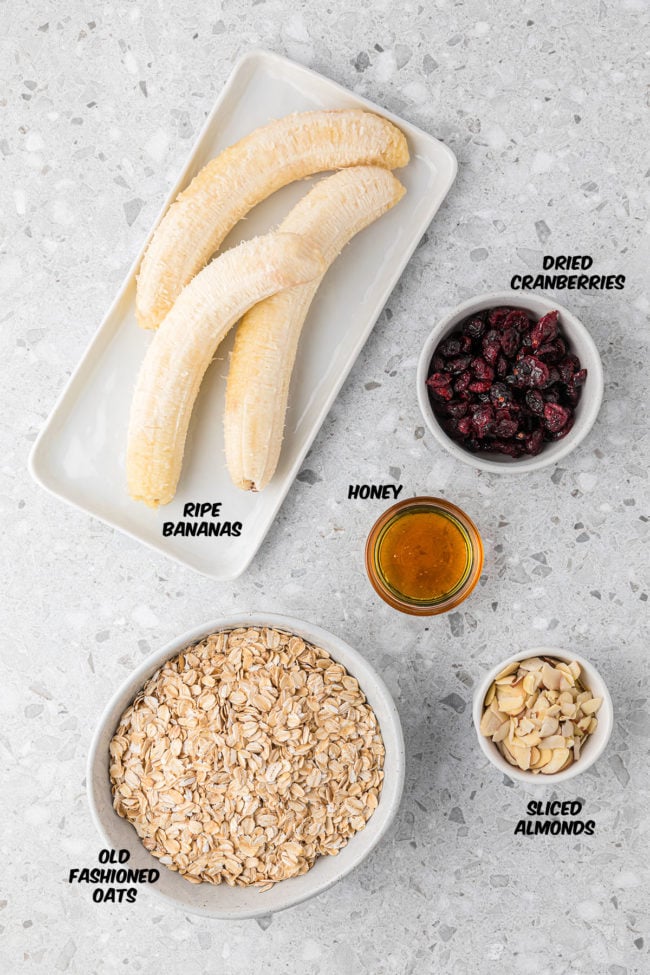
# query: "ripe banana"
[[230, 185], [267, 337], [185, 343]]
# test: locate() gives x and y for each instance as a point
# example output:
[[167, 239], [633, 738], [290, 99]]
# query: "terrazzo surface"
[[544, 108]]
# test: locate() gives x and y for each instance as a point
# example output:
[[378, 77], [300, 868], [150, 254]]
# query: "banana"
[[230, 185], [185, 343], [267, 337]]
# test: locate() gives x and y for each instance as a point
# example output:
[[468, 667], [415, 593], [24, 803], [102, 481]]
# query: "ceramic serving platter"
[[80, 453]]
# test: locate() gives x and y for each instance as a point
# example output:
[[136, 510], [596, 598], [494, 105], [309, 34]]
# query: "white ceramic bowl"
[[236, 903], [580, 342], [595, 744]]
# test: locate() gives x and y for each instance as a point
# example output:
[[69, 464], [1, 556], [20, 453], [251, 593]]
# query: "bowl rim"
[[592, 395], [605, 718], [354, 663]]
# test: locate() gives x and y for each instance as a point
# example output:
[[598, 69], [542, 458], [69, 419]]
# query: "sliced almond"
[[510, 669], [551, 677], [553, 741], [574, 667], [522, 757], [524, 727], [502, 732], [549, 727], [507, 754], [558, 759], [512, 705], [489, 697], [593, 724], [590, 707], [530, 740], [532, 681], [531, 663], [506, 681], [568, 762], [489, 723], [545, 755]]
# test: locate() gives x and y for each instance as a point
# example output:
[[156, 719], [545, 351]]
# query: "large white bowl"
[[594, 746], [235, 903], [580, 343]]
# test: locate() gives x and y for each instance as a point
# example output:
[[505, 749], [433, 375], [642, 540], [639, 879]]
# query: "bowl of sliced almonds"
[[543, 715]]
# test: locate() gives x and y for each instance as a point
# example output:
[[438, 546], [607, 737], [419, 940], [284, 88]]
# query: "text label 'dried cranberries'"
[[505, 383]]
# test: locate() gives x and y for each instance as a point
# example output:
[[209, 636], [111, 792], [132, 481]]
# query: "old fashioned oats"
[[246, 757]]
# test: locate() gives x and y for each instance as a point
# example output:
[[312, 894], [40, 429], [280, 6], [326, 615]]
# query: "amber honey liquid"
[[424, 555]]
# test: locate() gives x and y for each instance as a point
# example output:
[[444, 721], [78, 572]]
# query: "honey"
[[424, 554]]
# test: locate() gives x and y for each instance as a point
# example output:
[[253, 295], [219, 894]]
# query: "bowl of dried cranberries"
[[510, 382]]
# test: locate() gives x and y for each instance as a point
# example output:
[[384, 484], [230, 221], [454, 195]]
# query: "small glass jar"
[[424, 556]]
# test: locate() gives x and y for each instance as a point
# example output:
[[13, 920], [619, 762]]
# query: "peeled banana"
[[230, 185], [267, 337], [185, 343]]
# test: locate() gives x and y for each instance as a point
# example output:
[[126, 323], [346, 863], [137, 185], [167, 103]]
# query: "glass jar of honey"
[[424, 556]]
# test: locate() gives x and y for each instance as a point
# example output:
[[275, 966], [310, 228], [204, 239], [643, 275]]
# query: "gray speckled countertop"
[[544, 110]]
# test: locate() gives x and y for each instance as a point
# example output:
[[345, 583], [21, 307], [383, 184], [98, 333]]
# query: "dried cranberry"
[[450, 426], [491, 346], [500, 394], [465, 426], [502, 366], [482, 369], [517, 319], [457, 408], [555, 417], [563, 432], [552, 351], [534, 442], [437, 363], [465, 343], [567, 367], [439, 379], [483, 422], [507, 413], [474, 327], [442, 392], [449, 347], [506, 428], [509, 447], [535, 401], [530, 371], [510, 341], [570, 395], [545, 330], [579, 378], [480, 386], [553, 376], [463, 381], [459, 364], [497, 316]]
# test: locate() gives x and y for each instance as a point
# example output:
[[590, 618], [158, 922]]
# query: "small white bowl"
[[580, 343], [595, 744], [236, 903]]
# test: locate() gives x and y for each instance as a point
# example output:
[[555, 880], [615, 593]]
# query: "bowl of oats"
[[253, 762]]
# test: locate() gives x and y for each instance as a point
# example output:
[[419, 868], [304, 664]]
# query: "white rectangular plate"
[[80, 454]]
